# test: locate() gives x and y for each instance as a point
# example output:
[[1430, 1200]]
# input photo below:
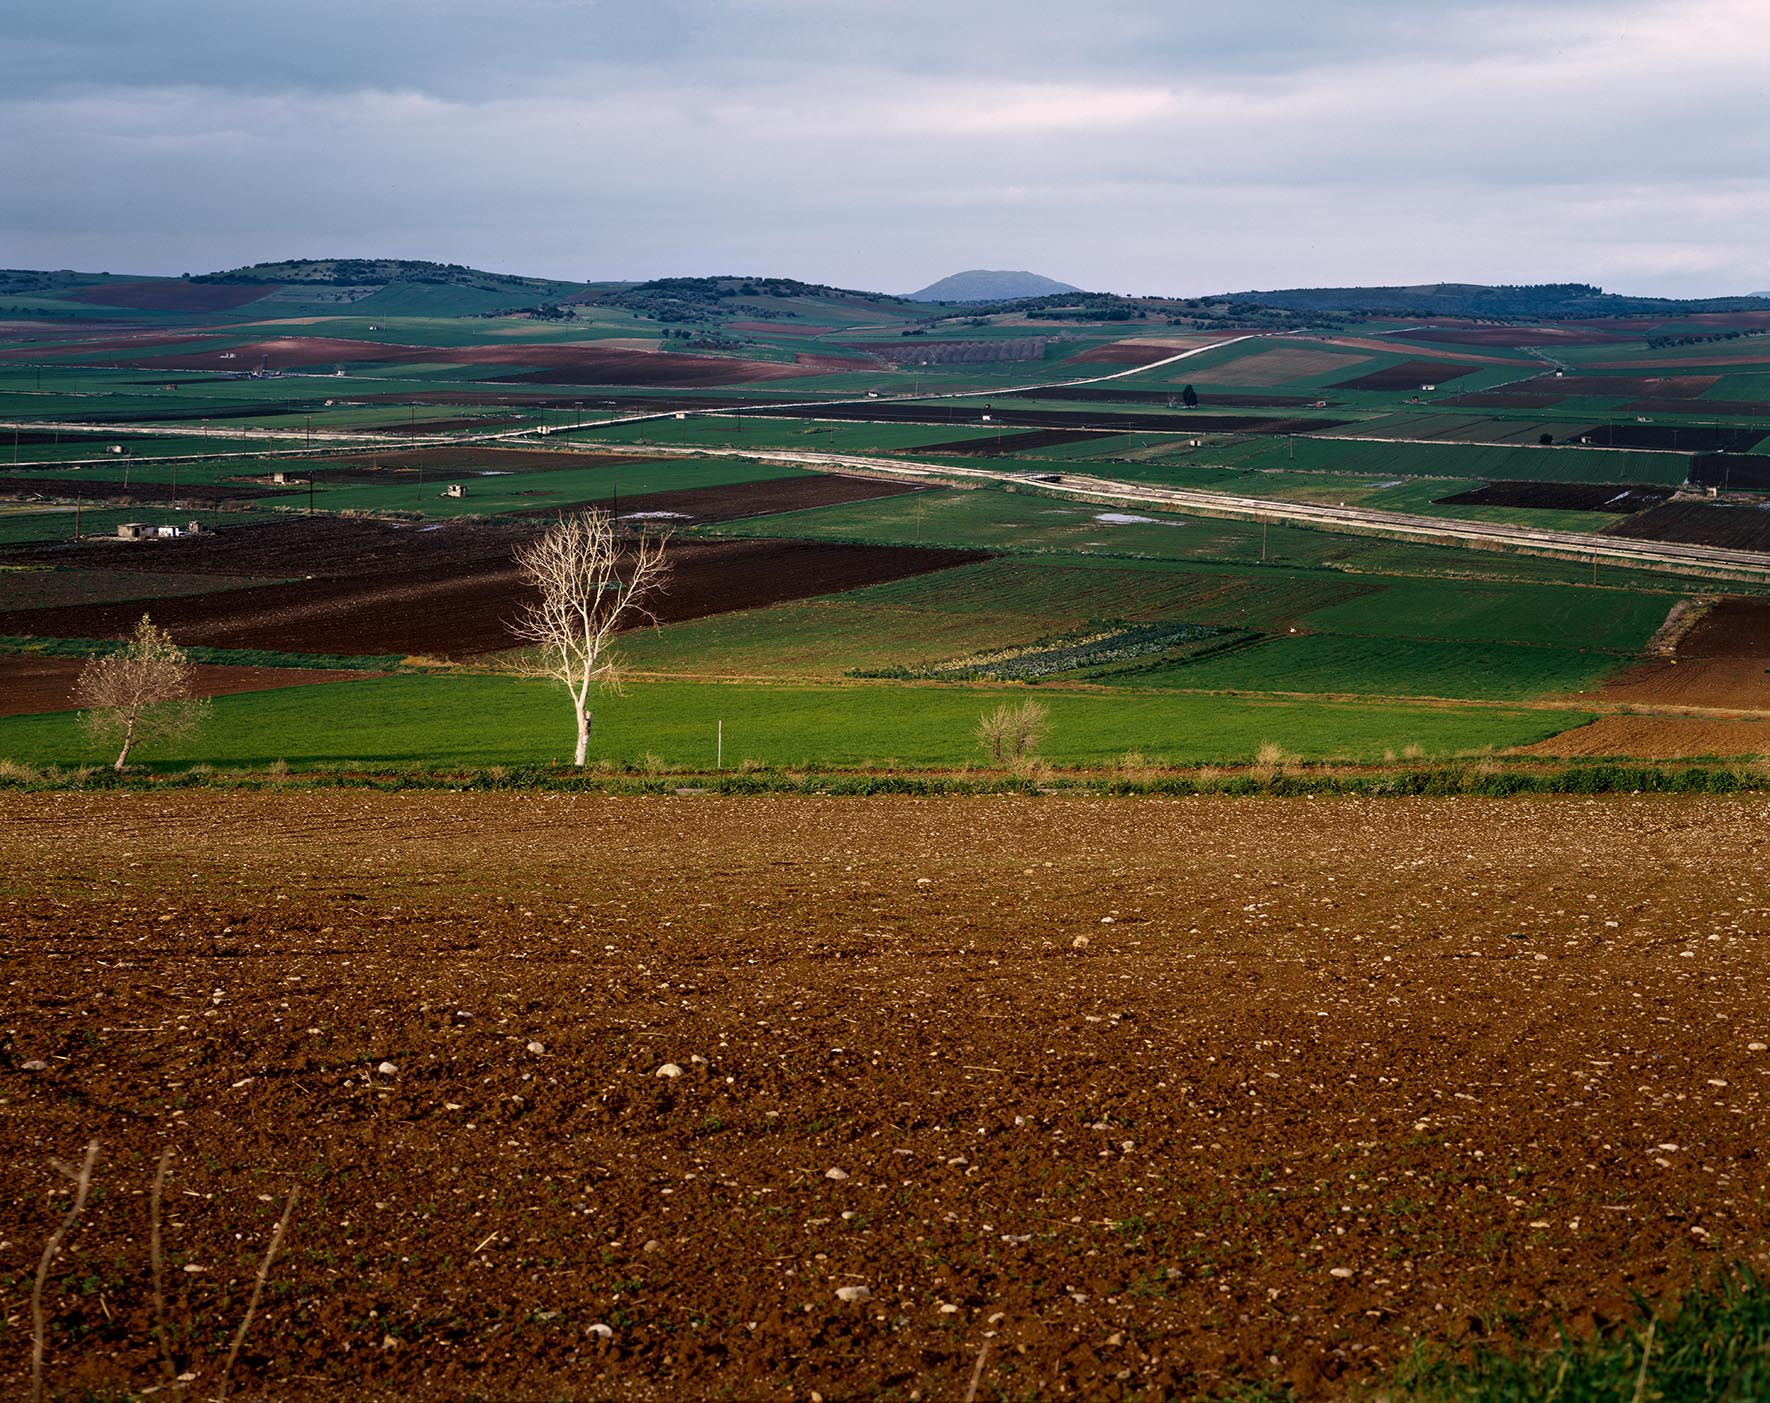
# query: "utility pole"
[[175, 484], [1265, 526]]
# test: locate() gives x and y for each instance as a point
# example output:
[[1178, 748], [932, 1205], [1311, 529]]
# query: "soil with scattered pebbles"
[[1145, 1096]]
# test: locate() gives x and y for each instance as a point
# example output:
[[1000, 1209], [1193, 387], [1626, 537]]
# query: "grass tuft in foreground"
[[1715, 1348]]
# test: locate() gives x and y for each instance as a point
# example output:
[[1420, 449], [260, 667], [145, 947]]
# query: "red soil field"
[[1397, 347], [1518, 336], [174, 295], [30, 684], [69, 342], [556, 363], [1735, 628], [1659, 738], [915, 351], [1719, 684], [1722, 661], [1130, 353], [1124, 1098], [1721, 353], [1409, 375], [1709, 321], [446, 590], [651, 368], [782, 328], [817, 361]]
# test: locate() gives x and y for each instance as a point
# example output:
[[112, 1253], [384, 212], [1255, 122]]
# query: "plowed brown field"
[[1091, 1098], [447, 590], [1659, 738], [29, 684]]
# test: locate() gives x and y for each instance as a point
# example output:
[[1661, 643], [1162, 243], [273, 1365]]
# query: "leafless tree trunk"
[[590, 590], [145, 691]]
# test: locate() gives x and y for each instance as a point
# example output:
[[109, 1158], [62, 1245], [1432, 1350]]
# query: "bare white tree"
[[591, 587], [144, 691]]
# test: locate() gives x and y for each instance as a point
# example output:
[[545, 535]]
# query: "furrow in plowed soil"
[[1147, 1096]]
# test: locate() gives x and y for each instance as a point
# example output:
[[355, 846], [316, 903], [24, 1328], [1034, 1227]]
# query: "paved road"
[[1617, 550], [1736, 564]]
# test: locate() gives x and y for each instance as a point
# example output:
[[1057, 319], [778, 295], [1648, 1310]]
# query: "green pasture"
[[21, 525], [1618, 620], [811, 435], [952, 614], [480, 719], [91, 451], [1487, 462], [1335, 632], [489, 492], [1418, 495], [1391, 667], [1029, 522]]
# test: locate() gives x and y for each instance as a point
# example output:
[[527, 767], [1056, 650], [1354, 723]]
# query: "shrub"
[[1010, 734]]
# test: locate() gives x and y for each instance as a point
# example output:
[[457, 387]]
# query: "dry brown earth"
[[1327, 1076], [30, 684], [1660, 738]]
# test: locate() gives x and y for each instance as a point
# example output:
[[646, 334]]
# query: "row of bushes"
[[1483, 779]]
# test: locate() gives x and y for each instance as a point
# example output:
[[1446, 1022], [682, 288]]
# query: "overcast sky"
[[1131, 145]]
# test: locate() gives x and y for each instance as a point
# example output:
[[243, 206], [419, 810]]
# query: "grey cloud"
[[1155, 146]]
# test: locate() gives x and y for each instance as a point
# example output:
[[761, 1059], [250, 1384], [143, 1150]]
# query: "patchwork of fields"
[[426, 461], [612, 1085]]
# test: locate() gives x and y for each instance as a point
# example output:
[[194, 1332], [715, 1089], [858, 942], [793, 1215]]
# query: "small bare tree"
[[590, 589], [145, 691], [1011, 734]]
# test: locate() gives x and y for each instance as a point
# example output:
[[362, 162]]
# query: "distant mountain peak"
[[990, 285]]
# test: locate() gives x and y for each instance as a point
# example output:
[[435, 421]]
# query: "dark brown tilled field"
[[1620, 498], [29, 684], [1700, 523], [682, 1098], [447, 590]]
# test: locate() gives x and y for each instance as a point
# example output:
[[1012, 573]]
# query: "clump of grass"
[[1712, 1347], [1135, 769], [12, 772], [1269, 762]]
